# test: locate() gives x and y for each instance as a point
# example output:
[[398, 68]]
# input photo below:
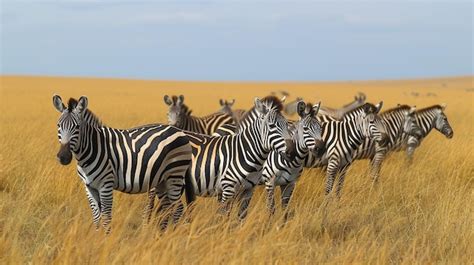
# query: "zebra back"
[[179, 115]]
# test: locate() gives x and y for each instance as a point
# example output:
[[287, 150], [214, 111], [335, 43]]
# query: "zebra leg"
[[150, 205], [228, 193], [340, 182], [376, 164], [244, 200], [331, 172], [270, 187], [106, 200], [94, 203], [286, 192], [174, 189], [163, 208]]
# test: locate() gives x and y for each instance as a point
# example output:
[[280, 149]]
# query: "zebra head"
[[372, 126], [410, 127], [441, 122], [360, 98], [69, 125], [226, 106], [309, 129], [177, 110], [274, 127]]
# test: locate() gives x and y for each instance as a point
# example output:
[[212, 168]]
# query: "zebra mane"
[[366, 107], [430, 108], [398, 108], [273, 103], [89, 116]]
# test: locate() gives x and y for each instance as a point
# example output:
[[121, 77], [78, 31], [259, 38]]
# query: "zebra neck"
[[250, 139], [301, 148], [193, 124], [426, 121], [91, 144], [352, 131]]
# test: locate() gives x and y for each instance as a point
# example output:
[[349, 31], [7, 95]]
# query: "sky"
[[237, 40]]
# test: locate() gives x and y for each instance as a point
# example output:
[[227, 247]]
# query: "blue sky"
[[238, 40]]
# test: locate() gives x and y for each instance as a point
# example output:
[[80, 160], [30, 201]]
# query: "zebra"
[[399, 123], [278, 171], [429, 118], [150, 158], [230, 165], [291, 107], [338, 114], [226, 107], [343, 138], [179, 115]]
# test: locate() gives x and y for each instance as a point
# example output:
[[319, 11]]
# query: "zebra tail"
[[188, 188]]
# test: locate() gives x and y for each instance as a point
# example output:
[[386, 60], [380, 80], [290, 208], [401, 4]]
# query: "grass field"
[[416, 215]]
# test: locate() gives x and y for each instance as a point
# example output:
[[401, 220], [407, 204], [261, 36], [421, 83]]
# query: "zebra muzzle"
[[64, 155], [319, 149]]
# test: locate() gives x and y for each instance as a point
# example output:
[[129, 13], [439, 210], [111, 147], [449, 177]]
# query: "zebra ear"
[[361, 97], [283, 99], [443, 106], [260, 107], [180, 100], [316, 108], [168, 100], [232, 102], [412, 110], [221, 101], [81, 104], [58, 103], [378, 107], [301, 109]]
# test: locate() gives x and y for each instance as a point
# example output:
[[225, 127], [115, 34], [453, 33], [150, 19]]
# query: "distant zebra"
[[236, 114], [338, 114], [427, 119], [230, 165], [290, 107], [150, 158], [278, 171], [343, 138], [399, 123], [179, 115]]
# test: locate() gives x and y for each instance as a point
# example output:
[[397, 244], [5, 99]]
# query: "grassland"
[[416, 215]]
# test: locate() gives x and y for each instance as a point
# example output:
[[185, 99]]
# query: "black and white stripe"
[[428, 119], [179, 115], [278, 171], [231, 164], [150, 158], [343, 138], [399, 123]]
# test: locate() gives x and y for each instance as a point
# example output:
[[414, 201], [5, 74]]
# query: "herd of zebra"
[[227, 153]]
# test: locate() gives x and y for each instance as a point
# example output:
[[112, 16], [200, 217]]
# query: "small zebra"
[[427, 119], [343, 138], [399, 123], [150, 158], [179, 115], [226, 107], [278, 171], [230, 165], [291, 107], [338, 114]]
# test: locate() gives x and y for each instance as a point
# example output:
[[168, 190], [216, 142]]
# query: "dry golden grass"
[[417, 215]]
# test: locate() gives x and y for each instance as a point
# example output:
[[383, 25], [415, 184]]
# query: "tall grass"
[[417, 214]]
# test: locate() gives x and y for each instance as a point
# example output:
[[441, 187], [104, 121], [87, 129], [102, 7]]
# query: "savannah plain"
[[418, 214]]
